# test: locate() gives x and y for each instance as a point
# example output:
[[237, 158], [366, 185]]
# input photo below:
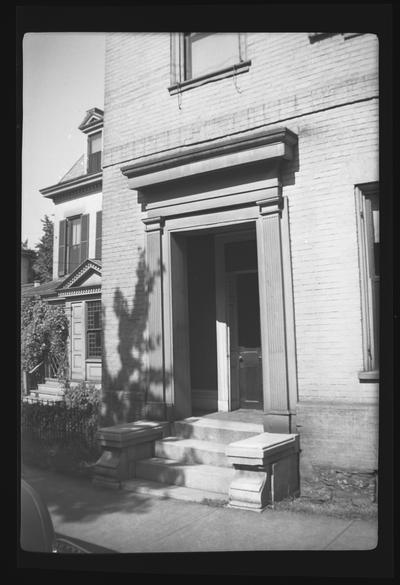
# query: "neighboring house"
[[76, 283], [241, 235]]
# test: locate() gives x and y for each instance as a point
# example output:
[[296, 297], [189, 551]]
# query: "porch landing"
[[246, 415]]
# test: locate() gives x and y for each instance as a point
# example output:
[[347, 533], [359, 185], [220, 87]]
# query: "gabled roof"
[[77, 170], [45, 289], [88, 273], [92, 120], [85, 279]]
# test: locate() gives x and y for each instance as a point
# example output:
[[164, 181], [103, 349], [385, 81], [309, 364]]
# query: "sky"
[[63, 77]]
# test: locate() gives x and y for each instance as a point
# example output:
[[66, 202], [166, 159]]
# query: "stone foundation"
[[327, 484]]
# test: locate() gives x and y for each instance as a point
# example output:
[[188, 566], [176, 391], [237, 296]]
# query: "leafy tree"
[[43, 266]]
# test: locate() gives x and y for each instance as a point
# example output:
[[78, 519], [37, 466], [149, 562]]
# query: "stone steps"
[[175, 492], [215, 430], [192, 451], [209, 478], [194, 459]]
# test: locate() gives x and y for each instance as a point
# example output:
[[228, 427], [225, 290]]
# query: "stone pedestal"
[[267, 470], [123, 445]]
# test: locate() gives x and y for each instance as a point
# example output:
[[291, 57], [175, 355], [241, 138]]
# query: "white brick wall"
[[326, 92]]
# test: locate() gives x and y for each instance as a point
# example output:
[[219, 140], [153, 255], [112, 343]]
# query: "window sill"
[[372, 376], [215, 76], [93, 359]]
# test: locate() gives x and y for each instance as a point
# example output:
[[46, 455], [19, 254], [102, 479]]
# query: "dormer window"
[[94, 152]]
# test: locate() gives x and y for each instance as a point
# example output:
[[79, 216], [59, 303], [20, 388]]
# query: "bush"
[[44, 329], [61, 435]]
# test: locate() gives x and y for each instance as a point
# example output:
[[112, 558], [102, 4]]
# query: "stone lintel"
[[229, 151]]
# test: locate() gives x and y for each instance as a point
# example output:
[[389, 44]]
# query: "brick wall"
[[326, 92]]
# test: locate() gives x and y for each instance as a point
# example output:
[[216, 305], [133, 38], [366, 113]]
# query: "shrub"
[[44, 329]]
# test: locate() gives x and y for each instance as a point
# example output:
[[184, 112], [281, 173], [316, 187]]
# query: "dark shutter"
[[61, 247], [98, 235], [84, 237]]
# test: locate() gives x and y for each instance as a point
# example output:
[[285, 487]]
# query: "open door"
[[245, 340]]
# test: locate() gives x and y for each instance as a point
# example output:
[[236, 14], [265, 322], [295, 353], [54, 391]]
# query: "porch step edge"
[[174, 492], [199, 476], [192, 451]]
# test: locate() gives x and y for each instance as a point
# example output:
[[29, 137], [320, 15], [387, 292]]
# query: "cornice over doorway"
[[213, 155]]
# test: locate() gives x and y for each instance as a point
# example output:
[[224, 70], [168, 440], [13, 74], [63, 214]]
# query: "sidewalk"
[[125, 522]]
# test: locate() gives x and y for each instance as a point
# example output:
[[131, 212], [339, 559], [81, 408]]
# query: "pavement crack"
[[340, 534]]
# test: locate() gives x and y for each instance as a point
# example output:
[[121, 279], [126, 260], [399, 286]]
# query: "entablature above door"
[[256, 153]]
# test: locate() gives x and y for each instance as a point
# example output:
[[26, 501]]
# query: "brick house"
[[240, 267], [76, 283]]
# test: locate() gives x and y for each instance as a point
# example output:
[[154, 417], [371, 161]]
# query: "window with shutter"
[[98, 234], [84, 245], [62, 247]]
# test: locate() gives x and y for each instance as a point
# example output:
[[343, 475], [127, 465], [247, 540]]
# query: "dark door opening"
[[249, 341], [244, 324]]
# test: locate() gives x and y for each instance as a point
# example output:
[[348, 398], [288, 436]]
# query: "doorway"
[[243, 323]]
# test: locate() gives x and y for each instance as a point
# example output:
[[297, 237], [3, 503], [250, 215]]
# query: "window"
[[93, 329], [198, 58], [367, 197], [94, 152], [207, 52], [73, 243], [98, 235]]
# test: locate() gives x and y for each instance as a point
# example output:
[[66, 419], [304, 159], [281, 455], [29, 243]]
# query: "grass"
[[330, 508]]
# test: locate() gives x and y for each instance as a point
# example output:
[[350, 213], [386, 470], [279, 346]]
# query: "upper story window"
[[367, 198], [73, 243], [198, 58], [208, 52], [94, 152]]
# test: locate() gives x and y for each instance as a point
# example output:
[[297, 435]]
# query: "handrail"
[[35, 368]]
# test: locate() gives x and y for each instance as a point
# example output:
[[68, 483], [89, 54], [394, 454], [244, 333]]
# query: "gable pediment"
[[87, 274]]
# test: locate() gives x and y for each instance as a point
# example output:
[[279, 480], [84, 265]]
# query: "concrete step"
[[35, 396], [203, 477], [50, 390], [53, 382], [218, 431], [192, 451], [175, 492]]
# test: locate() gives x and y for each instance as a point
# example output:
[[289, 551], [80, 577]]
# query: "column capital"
[[153, 224], [273, 202]]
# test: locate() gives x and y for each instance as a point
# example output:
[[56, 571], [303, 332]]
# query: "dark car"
[[37, 530]]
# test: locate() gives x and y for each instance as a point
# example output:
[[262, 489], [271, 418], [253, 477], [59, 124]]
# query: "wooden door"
[[248, 341], [77, 341]]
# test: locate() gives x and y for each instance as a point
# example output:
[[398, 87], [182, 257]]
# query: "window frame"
[[178, 75], [64, 247], [364, 193], [94, 159], [88, 330]]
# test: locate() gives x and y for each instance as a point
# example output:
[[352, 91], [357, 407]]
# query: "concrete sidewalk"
[[125, 522]]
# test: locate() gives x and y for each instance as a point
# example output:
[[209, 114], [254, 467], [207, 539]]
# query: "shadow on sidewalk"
[[77, 499]]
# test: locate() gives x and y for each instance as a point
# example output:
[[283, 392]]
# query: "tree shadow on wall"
[[124, 395]]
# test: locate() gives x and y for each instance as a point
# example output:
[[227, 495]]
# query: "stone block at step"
[[50, 390], [204, 477], [147, 487], [219, 431], [53, 382], [192, 451]]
